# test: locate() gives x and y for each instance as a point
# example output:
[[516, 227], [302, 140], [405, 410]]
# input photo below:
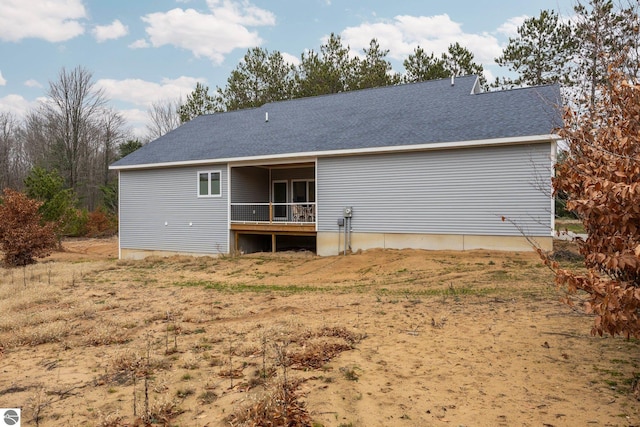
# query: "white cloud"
[[3, 81], [110, 32], [139, 44], [291, 59], [241, 12], [210, 35], [433, 33], [510, 28], [137, 120], [143, 93], [15, 104], [32, 83], [51, 20]]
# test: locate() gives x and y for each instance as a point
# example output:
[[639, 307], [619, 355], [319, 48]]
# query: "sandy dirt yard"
[[379, 338]]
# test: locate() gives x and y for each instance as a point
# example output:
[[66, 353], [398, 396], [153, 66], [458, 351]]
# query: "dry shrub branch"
[[23, 236], [601, 177]]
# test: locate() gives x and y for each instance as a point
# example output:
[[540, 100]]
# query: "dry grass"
[[379, 338], [281, 404]]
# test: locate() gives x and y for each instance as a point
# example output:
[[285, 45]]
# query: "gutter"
[[296, 157]]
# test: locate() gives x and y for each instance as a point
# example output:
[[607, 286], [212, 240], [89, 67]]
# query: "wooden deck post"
[[273, 242], [270, 212]]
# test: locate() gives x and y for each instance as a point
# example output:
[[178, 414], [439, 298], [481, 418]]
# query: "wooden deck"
[[301, 229]]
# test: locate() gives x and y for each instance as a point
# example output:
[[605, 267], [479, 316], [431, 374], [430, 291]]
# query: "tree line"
[[73, 136], [263, 76]]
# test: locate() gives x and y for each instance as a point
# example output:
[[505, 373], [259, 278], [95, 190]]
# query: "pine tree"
[[199, 102], [374, 70], [542, 52], [330, 71], [259, 78]]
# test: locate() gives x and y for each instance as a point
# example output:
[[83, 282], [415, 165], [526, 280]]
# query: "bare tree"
[[163, 117], [36, 142], [11, 154], [112, 134], [73, 112]]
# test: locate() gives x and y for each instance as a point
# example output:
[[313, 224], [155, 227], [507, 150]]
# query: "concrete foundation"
[[136, 254], [329, 243]]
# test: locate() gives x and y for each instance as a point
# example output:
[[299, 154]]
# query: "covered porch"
[[273, 207]]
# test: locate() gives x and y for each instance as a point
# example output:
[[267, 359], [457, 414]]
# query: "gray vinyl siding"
[[249, 185], [151, 198], [461, 191]]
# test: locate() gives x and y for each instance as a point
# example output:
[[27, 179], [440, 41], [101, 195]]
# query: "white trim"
[[119, 216], [302, 156], [231, 241], [554, 159], [476, 89], [209, 173], [315, 169]]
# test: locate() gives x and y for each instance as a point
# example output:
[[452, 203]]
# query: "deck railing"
[[281, 213]]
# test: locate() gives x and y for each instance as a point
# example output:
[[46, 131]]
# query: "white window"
[[209, 184]]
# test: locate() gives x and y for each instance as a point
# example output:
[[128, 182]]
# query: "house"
[[431, 165]]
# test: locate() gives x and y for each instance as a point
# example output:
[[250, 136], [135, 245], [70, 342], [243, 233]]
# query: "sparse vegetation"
[[114, 343]]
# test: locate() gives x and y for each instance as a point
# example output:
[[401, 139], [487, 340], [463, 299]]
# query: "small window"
[[209, 184]]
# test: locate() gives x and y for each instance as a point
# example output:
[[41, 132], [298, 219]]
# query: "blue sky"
[[142, 51]]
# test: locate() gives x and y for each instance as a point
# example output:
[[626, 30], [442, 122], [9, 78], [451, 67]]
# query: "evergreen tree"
[[57, 204], [199, 102], [420, 67], [374, 70], [457, 61], [259, 78], [330, 71], [542, 52], [128, 147]]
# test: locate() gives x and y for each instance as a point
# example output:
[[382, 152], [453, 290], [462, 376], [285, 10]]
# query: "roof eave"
[[545, 138]]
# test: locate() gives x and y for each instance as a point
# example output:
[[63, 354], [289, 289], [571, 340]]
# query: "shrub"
[[23, 237], [58, 203], [601, 179], [75, 223], [100, 224]]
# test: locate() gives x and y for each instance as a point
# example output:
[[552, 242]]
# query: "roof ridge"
[[355, 91]]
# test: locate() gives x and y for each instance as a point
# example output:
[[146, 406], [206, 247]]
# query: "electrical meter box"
[[348, 211]]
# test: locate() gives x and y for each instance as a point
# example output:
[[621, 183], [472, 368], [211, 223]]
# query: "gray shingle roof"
[[419, 113]]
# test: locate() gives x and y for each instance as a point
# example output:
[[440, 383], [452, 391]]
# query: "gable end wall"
[[151, 198]]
